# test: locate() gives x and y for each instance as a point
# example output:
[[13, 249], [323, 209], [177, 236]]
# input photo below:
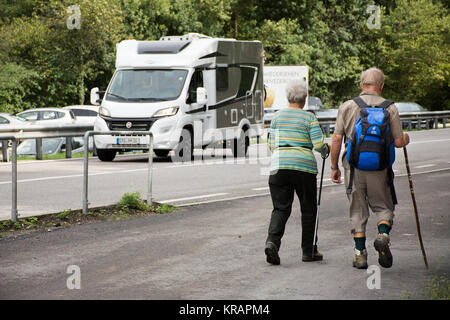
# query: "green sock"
[[384, 228], [360, 243]]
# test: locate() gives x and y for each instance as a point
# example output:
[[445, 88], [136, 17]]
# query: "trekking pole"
[[316, 226], [415, 207]]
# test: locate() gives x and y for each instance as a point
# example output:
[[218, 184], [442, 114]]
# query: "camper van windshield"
[[146, 85]]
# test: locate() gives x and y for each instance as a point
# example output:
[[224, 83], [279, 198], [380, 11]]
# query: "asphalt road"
[[216, 250], [56, 185]]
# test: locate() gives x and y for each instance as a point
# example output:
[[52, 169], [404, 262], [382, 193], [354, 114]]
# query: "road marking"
[[425, 166], [225, 199], [260, 189], [209, 162], [194, 197], [72, 176], [215, 162], [428, 141], [423, 172]]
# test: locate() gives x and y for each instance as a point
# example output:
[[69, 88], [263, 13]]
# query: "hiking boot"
[[360, 261], [308, 256], [271, 251], [381, 244]]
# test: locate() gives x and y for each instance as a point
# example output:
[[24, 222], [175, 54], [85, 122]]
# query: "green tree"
[[414, 52], [67, 61]]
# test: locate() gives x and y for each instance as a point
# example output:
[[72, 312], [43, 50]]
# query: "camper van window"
[[146, 85], [196, 82], [222, 79], [245, 85]]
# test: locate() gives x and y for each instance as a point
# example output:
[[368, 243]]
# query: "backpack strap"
[[385, 104], [360, 102], [391, 175], [350, 182]]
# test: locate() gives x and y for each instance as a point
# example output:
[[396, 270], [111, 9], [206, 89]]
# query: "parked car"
[[80, 147], [325, 113], [314, 104], [409, 107], [49, 116], [50, 146], [85, 114], [268, 115], [7, 119]]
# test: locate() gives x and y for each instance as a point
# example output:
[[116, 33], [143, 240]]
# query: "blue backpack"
[[371, 145]]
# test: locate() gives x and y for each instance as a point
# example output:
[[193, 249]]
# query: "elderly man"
[[370, 188], [294, 133]]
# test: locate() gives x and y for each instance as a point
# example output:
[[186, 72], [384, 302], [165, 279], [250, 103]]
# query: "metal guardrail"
[[65, 131], [13, 176], [43, 131], [413, 120]]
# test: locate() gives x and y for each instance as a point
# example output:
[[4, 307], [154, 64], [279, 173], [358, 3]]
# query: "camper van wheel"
[[241, 144], [106, 155], [184, 150], [161, 153]]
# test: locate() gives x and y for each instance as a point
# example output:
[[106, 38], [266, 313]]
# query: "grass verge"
[[130, 205]]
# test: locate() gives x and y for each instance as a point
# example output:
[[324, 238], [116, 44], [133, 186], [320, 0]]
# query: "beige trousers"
[[370, 189]]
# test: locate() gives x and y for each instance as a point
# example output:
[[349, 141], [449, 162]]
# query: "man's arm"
[[401, 139], [336, 143]]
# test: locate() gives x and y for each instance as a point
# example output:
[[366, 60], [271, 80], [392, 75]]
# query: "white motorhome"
[[189, 91]]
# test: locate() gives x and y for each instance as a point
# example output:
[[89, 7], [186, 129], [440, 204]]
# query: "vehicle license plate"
[[128, 140]]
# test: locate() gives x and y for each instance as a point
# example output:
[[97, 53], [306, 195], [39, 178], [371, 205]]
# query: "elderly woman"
[[294, 133]]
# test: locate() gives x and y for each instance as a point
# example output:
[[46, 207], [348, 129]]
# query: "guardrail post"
[[38, 148], [85, 171], [68, 147], [14, 180], [444, 122], [4, 150], [150, 168]]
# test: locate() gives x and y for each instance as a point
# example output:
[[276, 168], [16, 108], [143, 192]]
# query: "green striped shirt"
[[293, 135]]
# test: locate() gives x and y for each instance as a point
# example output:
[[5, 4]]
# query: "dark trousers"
[[282, 186]]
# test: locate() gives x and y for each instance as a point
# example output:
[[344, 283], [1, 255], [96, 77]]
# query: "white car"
[[49, 116], [85, 114], [9, 120]]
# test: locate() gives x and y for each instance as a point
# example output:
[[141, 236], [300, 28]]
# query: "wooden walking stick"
[[415, 207]]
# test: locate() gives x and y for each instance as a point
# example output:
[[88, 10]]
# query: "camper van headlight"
[[166, 112], [104, 112]]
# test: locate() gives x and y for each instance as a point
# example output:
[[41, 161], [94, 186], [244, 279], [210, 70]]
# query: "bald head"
[[372, 79]]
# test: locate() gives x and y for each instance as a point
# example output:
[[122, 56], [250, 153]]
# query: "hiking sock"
[[384, 228], [360, 243]]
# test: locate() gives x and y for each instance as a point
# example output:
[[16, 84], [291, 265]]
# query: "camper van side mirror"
[[95, 96], [202, 96]]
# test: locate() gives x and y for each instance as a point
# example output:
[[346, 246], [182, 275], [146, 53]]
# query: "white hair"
[[372, 77], [297, 91]]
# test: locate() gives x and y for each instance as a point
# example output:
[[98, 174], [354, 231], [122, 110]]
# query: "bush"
[[132, 201]]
